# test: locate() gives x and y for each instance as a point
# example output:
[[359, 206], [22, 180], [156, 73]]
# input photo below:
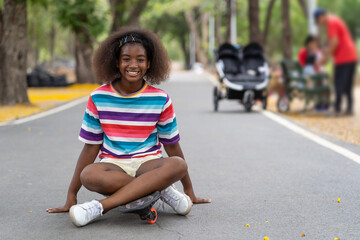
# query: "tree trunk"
[[31, 45], [133, 20], [13, 52], [52, 45], [185, 50], [205, 31], [36, 55], [200, 56], [1, 24], [228, 21], [303, 7], [83, 56], [286, 38], [217, 30], [267, 21], [254, 26], [71, 44], [120, 6]]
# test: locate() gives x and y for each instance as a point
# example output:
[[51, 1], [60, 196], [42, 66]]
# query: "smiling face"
[[133, 62]]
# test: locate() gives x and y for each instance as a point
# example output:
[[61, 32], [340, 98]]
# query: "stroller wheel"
[[283, 103], [264, 103], [216, 99], [248, 100], [248, 107]]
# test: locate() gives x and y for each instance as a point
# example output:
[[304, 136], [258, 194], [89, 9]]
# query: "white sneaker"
[[180, 202], [82, 214]]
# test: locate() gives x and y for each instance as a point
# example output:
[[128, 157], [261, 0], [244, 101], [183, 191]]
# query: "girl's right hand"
[[69, 202]]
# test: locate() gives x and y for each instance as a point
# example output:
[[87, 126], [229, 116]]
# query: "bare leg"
[[104, 178], [152, 176]]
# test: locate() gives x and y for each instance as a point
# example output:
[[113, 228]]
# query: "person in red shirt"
[[343, 50], [309, 56]]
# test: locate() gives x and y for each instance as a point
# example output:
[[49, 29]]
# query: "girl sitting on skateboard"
[[127, 120]]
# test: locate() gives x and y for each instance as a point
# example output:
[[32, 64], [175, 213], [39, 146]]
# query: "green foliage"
[[242, 22], [160, 7], [171, 28], [299, 25], [173, 48], [123, 9], [41, 18], [43, 3], [346, 9], [166, 18], [299, 28], [43, 15], [80, 16]]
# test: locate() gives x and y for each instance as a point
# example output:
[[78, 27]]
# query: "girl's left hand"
[[195, 199]]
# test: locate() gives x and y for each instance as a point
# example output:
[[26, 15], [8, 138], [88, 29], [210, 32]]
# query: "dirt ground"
[[346, 128]]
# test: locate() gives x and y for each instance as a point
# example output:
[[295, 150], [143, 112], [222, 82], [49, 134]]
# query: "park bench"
[[310, 88]]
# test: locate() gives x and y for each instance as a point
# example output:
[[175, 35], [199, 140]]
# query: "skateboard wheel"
[[153, 215]]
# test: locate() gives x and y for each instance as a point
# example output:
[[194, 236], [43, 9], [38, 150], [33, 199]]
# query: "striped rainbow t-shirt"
[[129, 126]]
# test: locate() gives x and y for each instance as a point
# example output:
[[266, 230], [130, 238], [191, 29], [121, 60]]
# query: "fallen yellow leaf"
[[266, 238], [247, 225], [338, 200]]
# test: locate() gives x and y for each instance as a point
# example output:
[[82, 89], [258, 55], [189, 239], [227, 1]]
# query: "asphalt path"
[[263, 179]]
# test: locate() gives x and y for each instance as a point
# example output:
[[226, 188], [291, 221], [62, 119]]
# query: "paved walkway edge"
[[301, 131], [47, 113], [313, 137]]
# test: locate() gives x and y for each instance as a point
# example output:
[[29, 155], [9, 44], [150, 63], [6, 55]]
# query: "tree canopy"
[[166, 17], [73, 28]]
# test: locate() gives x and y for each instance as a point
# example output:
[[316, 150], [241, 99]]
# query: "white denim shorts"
[[130, 165]]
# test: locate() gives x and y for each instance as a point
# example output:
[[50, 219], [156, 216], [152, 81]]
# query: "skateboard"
[[143, 207]]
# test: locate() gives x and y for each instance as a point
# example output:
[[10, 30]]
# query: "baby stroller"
[[244, 75]]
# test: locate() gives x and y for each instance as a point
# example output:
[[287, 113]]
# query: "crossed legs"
[[109, 179]]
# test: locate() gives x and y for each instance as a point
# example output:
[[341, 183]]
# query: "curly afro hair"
[[106, 57]]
